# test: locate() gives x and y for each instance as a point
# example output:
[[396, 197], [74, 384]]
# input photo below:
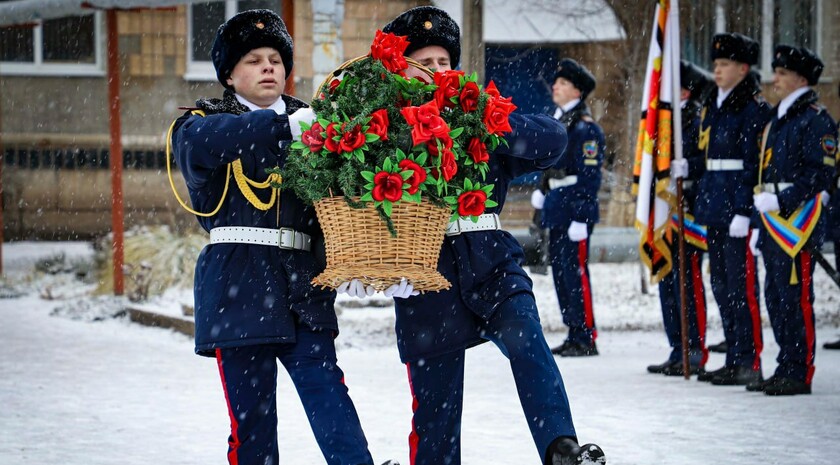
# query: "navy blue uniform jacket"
[[483, 267], [247, 294], [731, 132]]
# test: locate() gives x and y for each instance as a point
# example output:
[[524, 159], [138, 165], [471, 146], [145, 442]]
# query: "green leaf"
[[386, 165], [406, 174], [359, 155], [371, 137], [415, 197], [387, 207], [468, 185], [490, 204], [368, 197], [451, 199], [368, 175], [456, 132]]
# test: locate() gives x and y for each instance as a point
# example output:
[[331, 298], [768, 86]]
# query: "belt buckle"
[[454, 228], [286, 236]]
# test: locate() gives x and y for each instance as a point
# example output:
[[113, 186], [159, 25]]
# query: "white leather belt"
[[486, 222], [285, 238], [554, 183], [725, 165], [775, 188]]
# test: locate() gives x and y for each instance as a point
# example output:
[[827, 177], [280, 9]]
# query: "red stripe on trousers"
[[807, 316], [753, 307], [413, 437], [586, 288], [699, 305], [233, 458]]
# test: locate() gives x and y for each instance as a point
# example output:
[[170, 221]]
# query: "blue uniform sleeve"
[[590, 158], [202, 144], [537, 142], [749, 146], [817, 153]]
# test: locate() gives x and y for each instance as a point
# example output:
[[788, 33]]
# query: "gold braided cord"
[[172, 182], [243, 182]]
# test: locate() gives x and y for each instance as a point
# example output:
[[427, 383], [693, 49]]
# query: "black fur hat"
[[577, 74], [800, 60], [427, 25], [734, 46], [246, 31], [694, 79]]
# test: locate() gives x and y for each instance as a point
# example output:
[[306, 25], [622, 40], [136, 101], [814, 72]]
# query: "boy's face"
[[433, 57], [563, 92], [786, 81], [728, 73], [259, 77]]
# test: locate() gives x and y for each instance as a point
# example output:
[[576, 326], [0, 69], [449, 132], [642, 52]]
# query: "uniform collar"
[[561, 110], [722, 94], [279, 106], [786, 102]]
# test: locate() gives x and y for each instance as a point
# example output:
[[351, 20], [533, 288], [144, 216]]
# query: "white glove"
[[355, 288], [679, 168], [401, 290], [304, 115], [537, 199], [826, 197], [766, 202], [578, 231], [739, 227], [754, 242]]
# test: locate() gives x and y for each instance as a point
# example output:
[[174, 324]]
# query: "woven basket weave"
[[359, 245]]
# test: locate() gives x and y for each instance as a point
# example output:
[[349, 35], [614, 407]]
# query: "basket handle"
[[346, 64]]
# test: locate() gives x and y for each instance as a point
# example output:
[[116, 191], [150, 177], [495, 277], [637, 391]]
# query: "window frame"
[[37, 67], [202, 70]]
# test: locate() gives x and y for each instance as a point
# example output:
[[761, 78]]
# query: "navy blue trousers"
[[570, 269], [791, 310], [695, 305], [735, 286], [249, 379], [437, 387]]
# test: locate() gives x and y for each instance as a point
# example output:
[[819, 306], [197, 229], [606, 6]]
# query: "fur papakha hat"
[[425, 26], [577, 74], [800, 60]]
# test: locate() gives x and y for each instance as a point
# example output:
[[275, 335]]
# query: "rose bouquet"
[[382, 140]]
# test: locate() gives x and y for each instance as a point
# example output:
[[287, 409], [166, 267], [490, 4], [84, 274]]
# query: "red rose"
[[447, 165], [333, 135], [496, 115], [313, 138], [352, 139], [449, 85], [379, 124], [334, 85], [492, 91], [387, 186], [389, 49], [478, 151], [417, 178], [433, 146], [425, 122], [471, 203], [469, 97]]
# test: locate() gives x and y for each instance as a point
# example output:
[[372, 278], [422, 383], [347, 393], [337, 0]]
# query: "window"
[[64, 46], [203, 19], [795, 23]]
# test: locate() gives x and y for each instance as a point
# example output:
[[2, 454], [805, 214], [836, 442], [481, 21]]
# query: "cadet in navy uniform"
[[569, 202], [731, 123], [491, 296], [695, 83], [834, 226], [254, 301], [798, 160]]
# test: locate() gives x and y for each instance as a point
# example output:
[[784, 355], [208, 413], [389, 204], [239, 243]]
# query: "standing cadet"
[[569, 202], [695, 82], [834, 226], [731, 123], [797, 164]]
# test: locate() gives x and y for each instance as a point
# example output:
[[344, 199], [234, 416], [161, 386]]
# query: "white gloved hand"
[[766, 202], [679, 168], [578, 231], [754, 243], [537, 199], [401, 290], [355, 288], [826, 197], [304, 115], [739, 226]]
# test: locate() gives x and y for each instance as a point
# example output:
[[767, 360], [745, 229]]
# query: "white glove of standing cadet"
[[537, 199], [304, 115], [766, 202], [355, 288], [826, 197], [578, 231], [401, 290], [754, 243], [679, 168], [739, 226]]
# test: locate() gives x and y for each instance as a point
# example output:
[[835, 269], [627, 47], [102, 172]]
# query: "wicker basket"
[[359, 245]]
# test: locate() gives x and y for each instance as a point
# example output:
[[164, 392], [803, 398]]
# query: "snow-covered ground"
[[79, 388]]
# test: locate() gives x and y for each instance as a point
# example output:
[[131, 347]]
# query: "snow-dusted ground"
[[79, 389]]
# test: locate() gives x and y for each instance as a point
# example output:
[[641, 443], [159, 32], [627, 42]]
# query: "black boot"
[[677, 370], [737, 376], [565, 451], [575, 349], [721, 347], [707, 376], [658, 369], [758, 386], [786, 387], [832, 345]]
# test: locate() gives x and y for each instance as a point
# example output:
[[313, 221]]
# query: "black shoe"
[[677, 370], [721, 347], [659, 369], [758, 386], [786, 387], [832, 345], [574, 349], [707, 376], [565, 451], [737, 376]]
